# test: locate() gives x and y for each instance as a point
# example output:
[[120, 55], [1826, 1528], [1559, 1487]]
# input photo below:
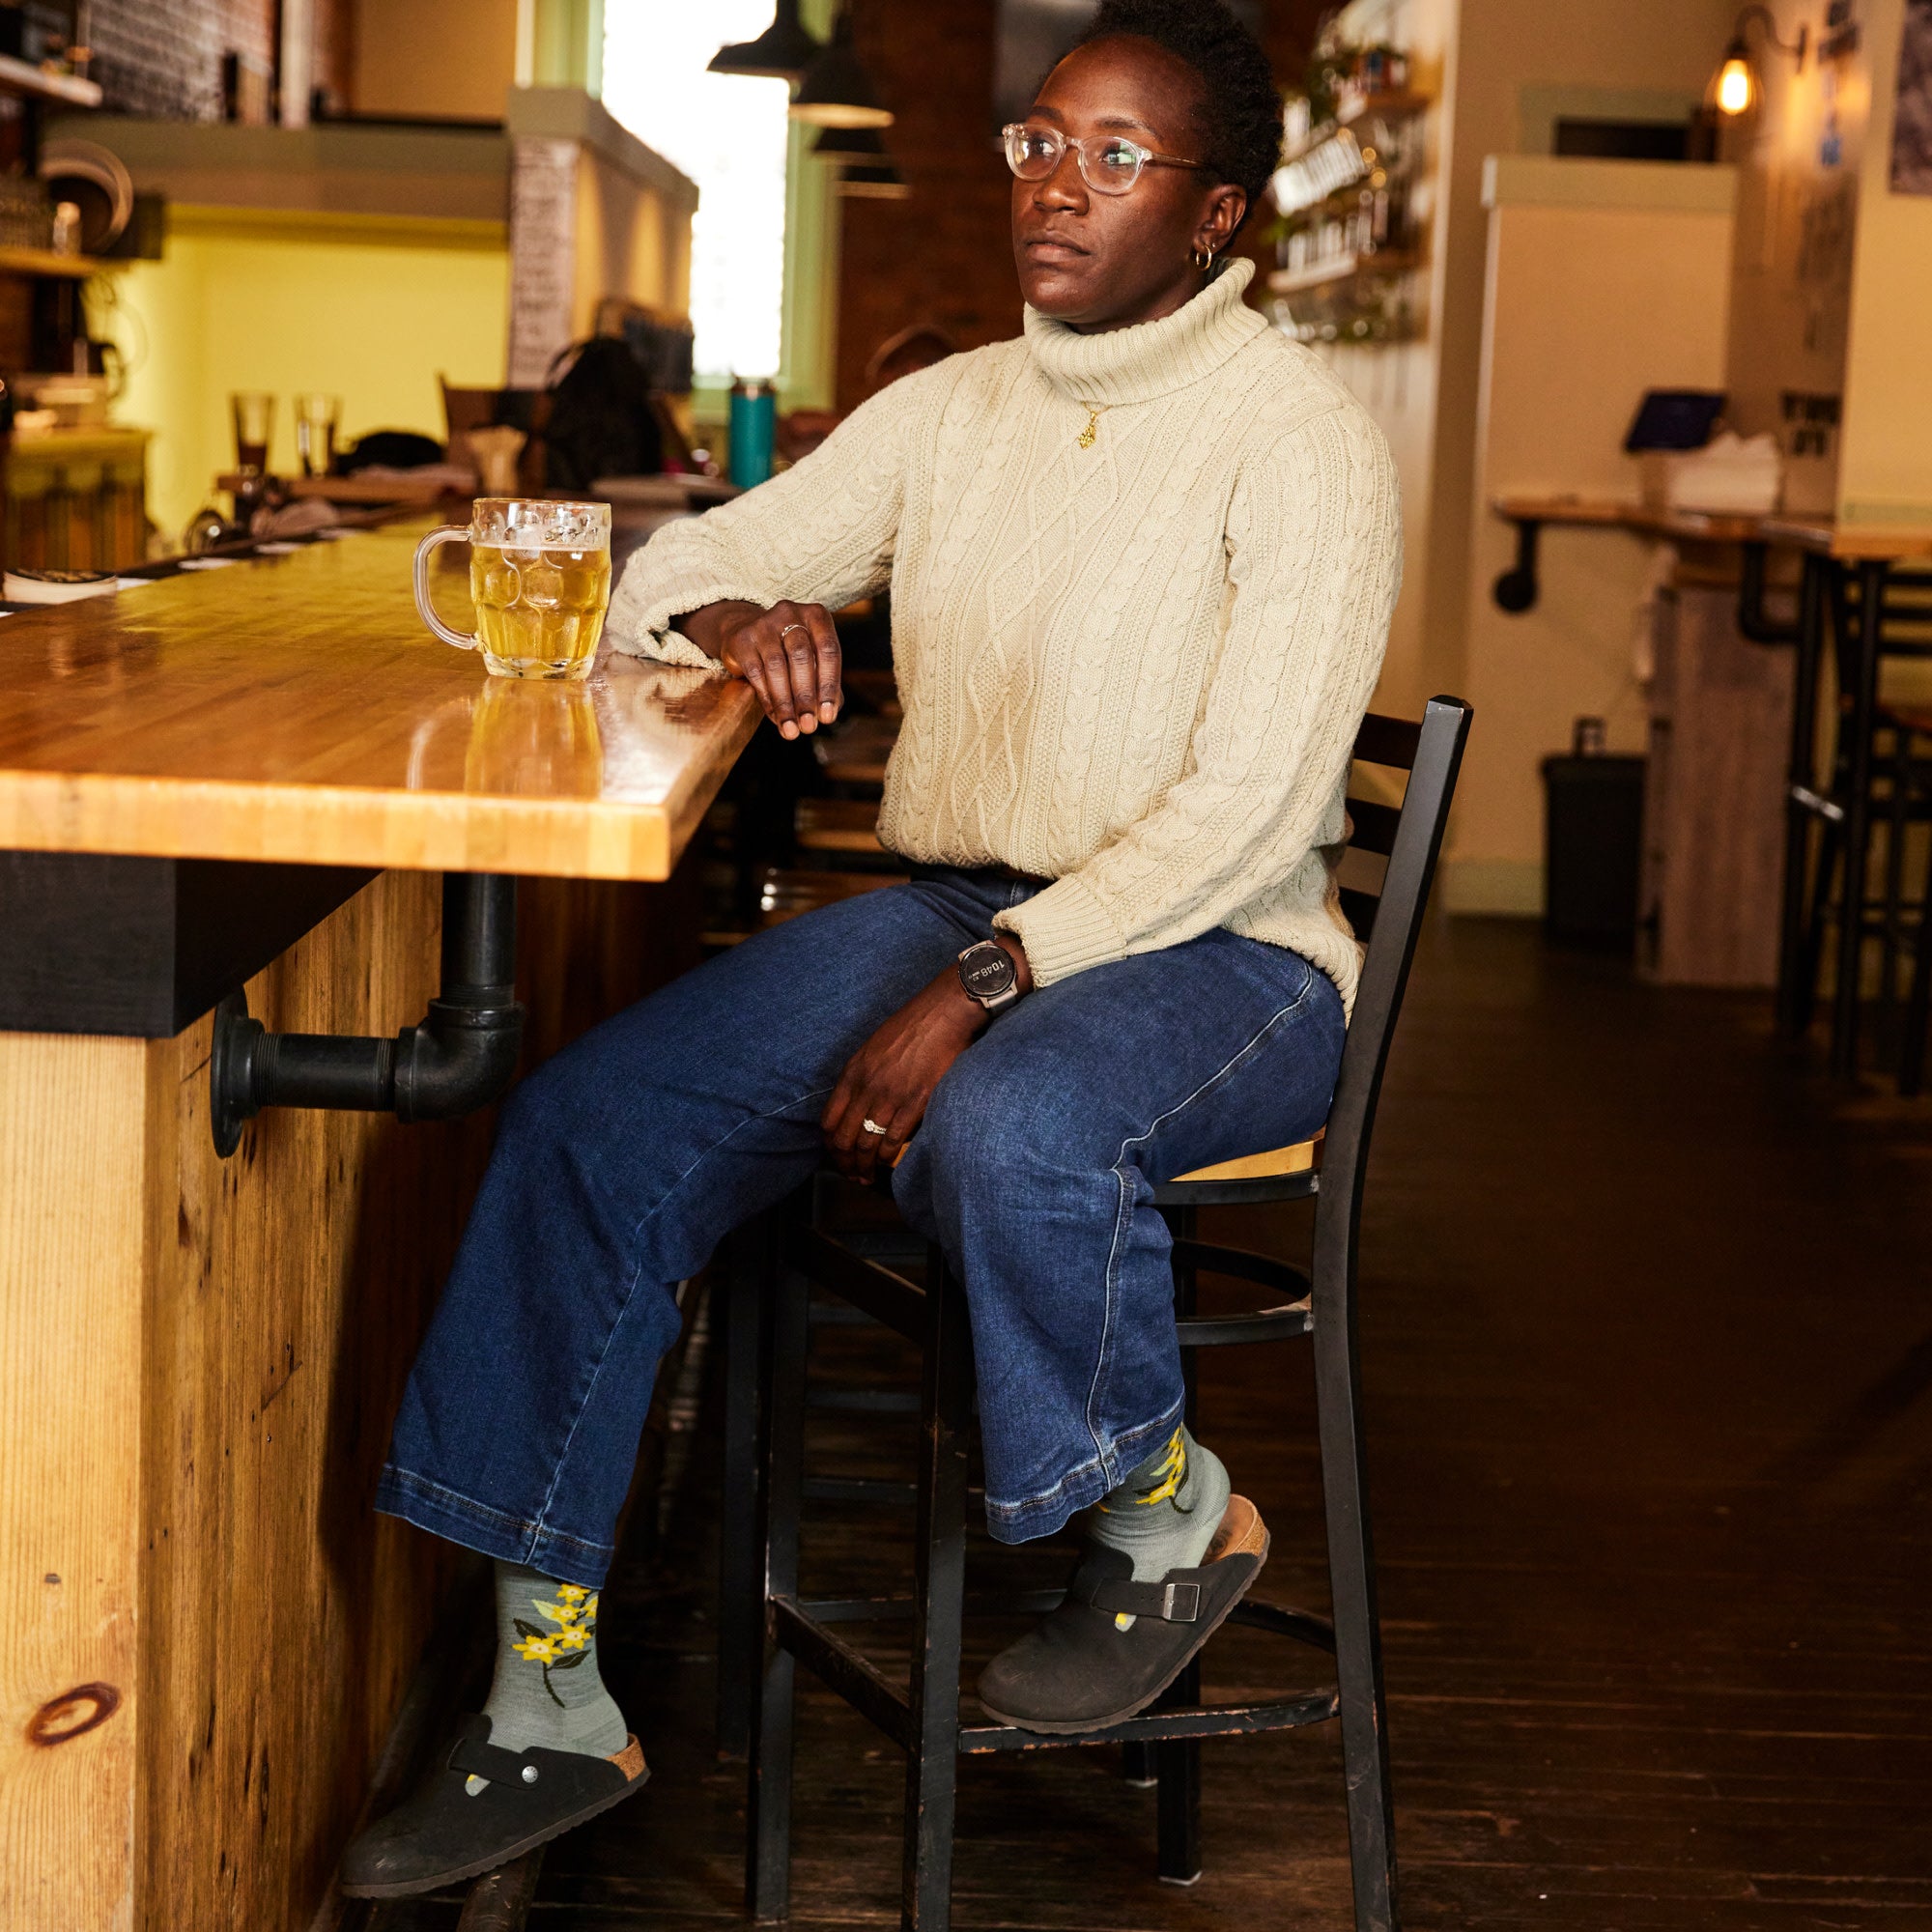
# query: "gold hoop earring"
[[1203, 260]]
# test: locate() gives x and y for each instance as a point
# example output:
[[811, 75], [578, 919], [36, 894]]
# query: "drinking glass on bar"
[[254, 429], [316, 421]]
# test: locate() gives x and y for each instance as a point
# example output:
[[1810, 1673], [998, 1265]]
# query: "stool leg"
[[768, 1798], [1352, 1568], [1795, 995], [750, 1257], [1912, 1036], [939, 1588], [1177, 1763], [1891, 938], [1863, 696], [1177, 1807]]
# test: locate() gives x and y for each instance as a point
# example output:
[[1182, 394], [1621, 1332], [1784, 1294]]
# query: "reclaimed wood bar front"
[[252, 776]]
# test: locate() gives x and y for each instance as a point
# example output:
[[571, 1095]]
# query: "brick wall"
[[163, 57], [945, 256]]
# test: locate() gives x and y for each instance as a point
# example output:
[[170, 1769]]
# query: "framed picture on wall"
[[1034, 34], [1912, 128]]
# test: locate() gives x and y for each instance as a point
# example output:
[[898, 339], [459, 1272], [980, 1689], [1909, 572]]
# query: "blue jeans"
[[622, 1163]]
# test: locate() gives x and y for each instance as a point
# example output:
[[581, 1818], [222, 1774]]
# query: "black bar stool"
[[1871, 611], [777, 1263]]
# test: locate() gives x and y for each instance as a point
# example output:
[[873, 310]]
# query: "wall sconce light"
[[1737, 88], [865, 170], [835, 91], [781, 52]]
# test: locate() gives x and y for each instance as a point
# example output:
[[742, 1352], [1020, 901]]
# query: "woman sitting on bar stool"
[[1141, 563]]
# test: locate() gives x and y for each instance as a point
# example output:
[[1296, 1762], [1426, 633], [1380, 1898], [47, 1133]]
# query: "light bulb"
[[1736, 88]]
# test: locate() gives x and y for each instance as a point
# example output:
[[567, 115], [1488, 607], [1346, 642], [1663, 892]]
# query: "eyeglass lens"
[[1110, 166]]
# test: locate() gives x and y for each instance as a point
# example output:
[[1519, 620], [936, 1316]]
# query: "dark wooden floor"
[[1648, 1345]]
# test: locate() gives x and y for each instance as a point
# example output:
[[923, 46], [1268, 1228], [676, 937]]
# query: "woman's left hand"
[[891, 1079]]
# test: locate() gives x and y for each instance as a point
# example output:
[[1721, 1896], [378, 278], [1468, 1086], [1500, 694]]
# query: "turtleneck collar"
[[1150, 358]]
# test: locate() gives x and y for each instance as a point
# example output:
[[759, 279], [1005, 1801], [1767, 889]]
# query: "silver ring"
[[874, 1128], [790, 628]]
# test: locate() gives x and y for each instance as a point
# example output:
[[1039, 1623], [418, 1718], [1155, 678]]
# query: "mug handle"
[[453, 533]]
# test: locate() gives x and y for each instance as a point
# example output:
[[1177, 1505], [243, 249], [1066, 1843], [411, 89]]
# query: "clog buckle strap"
[[1172, 1603]]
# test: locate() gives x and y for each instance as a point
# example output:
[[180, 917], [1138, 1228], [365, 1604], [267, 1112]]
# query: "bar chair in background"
[[1873, 613], [777, 1262]]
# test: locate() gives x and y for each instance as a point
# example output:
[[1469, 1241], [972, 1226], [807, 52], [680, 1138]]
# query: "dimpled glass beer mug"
[[540, 578]]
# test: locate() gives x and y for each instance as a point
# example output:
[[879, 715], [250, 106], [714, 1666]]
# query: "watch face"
[[986, 972]]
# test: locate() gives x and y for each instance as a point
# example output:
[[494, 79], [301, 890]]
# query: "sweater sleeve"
[[1314, 538], [820, 532]]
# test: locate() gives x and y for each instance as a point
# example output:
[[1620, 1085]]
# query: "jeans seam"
[[631, 1288], [1123, 1214]]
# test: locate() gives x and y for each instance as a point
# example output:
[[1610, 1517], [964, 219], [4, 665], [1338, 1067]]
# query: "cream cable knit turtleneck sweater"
[[1137, 667]]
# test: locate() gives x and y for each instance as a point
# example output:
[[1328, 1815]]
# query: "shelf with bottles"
[[47, 83], [1350, 314], [1393, 105], [1342, 267]]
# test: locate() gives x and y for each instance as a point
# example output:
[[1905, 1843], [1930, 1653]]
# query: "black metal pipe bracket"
[[1517, 589], [460, 1057], [1753, 621]]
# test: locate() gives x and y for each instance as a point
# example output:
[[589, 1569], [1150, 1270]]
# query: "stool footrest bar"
[[840, 1668], [1199, 1720], [1266, 1324]]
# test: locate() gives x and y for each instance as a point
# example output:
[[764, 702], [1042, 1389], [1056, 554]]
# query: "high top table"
[[1848, 577], [253, 775]]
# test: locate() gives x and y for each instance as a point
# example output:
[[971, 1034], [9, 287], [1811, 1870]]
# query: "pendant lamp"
[[849, 146], [835, 91], [874, 180], [781, 52]]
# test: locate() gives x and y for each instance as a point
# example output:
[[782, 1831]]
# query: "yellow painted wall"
[[366, 309], [1886, 468], [1588, 307], [441, 59], [1481, 56]]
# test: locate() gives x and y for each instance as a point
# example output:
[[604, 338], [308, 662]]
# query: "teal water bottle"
[[754, 422]]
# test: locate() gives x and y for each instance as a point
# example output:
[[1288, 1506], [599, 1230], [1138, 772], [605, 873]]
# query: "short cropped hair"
[[1240, 107]]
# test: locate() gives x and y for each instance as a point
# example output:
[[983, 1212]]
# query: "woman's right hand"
[[788, 654]]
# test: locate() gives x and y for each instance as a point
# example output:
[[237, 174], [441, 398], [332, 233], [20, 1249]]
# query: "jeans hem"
[[459, 1519], [1034, 1517]]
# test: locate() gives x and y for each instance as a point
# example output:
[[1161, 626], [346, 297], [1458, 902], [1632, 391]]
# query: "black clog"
[[483, 1808], [1077, 1671]]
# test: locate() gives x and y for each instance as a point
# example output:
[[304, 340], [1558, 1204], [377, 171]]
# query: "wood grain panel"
[[294, 709], [1714, 811], [287, 1287], [71, 1258]]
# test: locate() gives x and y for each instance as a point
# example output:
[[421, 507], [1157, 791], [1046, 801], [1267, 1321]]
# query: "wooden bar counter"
[[253, 775]]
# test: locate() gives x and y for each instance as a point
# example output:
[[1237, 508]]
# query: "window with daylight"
[[729, 134]]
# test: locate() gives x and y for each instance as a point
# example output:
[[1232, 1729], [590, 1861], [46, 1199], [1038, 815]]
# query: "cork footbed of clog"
[[1242, 1533]]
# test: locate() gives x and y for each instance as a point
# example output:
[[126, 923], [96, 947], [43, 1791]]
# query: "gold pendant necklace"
[[1090, 434]]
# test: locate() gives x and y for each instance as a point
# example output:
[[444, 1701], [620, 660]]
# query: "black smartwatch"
[[987, 972]]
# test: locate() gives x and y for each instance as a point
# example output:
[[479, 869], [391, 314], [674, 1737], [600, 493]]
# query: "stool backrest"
[[1409, 836]]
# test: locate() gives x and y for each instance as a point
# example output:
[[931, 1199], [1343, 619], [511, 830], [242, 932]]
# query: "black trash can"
[[1592, 851]]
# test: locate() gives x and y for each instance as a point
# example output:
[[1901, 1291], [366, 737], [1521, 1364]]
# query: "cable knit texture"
[[1136, 668]]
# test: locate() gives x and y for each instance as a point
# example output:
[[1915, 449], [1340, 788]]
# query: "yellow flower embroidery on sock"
[[575, 1616]]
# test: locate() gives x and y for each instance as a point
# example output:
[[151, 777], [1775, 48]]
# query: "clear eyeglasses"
[[1109, 163]]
